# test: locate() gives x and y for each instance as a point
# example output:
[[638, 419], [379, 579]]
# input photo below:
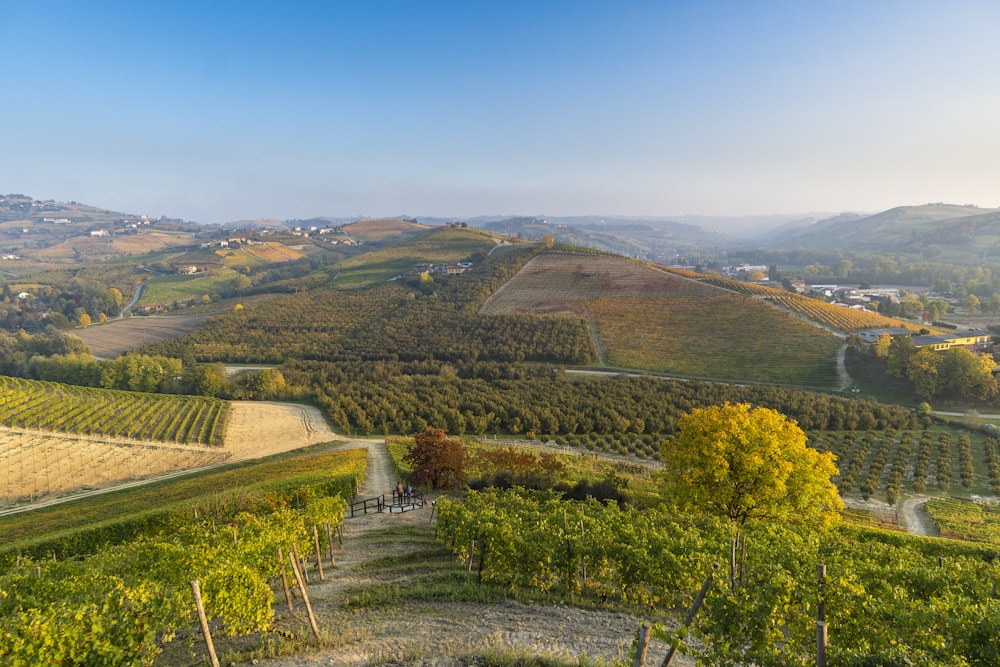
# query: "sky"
[[221, 111]]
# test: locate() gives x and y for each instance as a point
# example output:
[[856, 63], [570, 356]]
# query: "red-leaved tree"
[[436, 460]]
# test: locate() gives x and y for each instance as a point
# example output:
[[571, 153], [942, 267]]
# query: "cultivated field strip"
[[558, 283], [35, 466], [838, 317], [847, 320], [648, 317], [51, 406]]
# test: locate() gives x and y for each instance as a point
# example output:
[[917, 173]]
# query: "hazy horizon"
[[215, 112]]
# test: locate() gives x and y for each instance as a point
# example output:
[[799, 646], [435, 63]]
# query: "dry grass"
[[37, 466]]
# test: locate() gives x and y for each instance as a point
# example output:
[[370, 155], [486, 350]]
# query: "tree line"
[[543, 401], [956, 374]]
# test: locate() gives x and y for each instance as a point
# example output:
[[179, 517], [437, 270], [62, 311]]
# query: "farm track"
[[441, 630], [915, 516]]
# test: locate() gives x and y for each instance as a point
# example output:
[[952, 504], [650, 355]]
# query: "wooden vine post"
[[196, 591], [299, 579], [301, 563], [821, 617], [284, 580], [319, 554], [642, 646], [329, 542], [694, 610]]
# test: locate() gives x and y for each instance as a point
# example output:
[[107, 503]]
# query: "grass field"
[[106, 248], [271, 253], [379, 231], [437, 245], [721, 336], [168, 289]]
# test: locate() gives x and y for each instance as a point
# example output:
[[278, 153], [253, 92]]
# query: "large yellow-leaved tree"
[[749, 464]]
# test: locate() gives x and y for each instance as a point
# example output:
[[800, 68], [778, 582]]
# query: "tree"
[[114, 298], [966, 375], [436, 460], [264, 384], [206, 379], [936, 309], [84, 320], [901, 349], [922, 371], [971, 304], [749, 464], [881, 346], [993, 304]]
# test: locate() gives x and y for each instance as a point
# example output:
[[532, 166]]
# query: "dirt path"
[[915, 516], [381, 477], [423, 633], [843, 377]]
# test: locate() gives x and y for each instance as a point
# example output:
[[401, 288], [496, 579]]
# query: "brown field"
[[93, 248], [38, 467], [35, 466], [272, 253], [558, 283], [119, 336], [644, 317], [380, 230]]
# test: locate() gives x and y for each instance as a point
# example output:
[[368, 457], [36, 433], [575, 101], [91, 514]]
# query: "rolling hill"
[[944, 233]]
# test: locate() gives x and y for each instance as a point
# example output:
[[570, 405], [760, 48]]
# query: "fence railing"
[[389, 502]]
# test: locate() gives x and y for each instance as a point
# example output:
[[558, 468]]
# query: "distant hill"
[[942, 232], [383, 229], [651, 239], [73, 232]]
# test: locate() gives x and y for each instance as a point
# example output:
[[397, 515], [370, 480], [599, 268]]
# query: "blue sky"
[[218, 111]]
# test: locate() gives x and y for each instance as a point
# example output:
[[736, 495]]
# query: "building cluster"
[[973, 340], [449, 268]]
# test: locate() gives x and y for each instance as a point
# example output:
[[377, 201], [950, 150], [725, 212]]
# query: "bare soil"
[[119, 336]]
